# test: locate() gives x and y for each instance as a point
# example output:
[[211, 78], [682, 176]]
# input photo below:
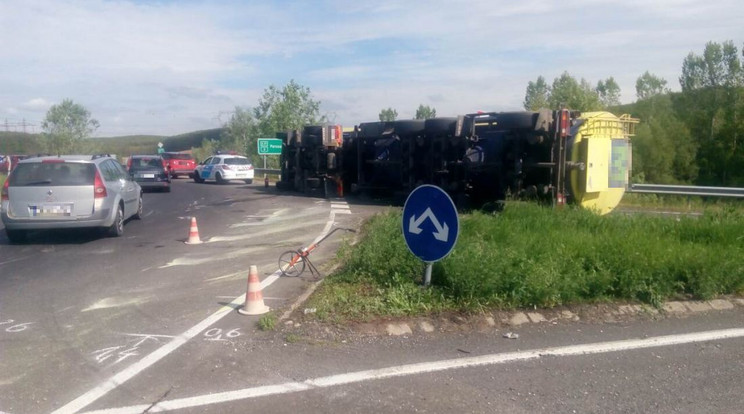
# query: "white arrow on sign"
[[442, 233]]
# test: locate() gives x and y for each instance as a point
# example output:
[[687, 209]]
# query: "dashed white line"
[[133, 370], [160, 353], [426, 367]]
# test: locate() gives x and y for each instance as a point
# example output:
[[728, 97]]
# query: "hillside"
[[23, 143]]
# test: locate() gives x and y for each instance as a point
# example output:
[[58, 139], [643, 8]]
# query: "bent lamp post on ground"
[[430, 225]]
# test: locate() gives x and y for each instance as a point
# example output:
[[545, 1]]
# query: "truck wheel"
[[440, 126], [371, 129], [515, 120], [409, 127]]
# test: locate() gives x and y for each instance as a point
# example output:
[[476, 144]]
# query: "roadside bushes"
[[535, 256]]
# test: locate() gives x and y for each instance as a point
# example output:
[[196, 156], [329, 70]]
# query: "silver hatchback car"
[[68, 191]]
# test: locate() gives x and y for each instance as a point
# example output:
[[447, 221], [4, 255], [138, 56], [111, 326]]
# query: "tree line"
[[686, 137]]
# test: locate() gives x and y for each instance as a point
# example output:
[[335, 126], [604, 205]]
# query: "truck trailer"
[[480, 159]]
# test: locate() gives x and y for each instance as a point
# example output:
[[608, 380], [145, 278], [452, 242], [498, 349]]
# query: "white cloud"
[[170, 67]]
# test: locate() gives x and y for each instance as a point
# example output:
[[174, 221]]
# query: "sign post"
[[160, 148], [430, 225], [268, 146]]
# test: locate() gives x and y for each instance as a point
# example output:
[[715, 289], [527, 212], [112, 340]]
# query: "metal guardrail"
[[687, 190], [259, 171]]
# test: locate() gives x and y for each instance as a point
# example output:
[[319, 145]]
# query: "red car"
[[14, 162], [179, 163]]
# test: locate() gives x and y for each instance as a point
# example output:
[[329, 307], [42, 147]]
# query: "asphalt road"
[[145, 323]]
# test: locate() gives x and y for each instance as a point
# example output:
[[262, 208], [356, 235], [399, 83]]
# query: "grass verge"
[[268, 322], [534, 256], [2, 179]]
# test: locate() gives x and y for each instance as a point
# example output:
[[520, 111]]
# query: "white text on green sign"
[[269, 146]]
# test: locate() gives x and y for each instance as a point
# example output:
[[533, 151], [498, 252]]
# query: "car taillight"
[[99, 190], [226, 167], [4, 193], [250, 166]]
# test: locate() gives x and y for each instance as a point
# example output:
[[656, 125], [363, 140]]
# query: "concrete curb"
[[493, 321]]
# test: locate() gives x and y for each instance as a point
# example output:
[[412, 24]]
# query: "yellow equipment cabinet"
[[601, 151]]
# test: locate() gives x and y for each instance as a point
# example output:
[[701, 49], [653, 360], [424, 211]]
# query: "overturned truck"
[[480, 159]]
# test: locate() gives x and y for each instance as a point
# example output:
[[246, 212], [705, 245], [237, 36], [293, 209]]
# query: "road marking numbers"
[[424, 368], [18, 327], [215, 334], [133, 370]]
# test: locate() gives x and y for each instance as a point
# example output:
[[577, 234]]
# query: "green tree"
[[663, 149], [240, 132], [648, 85], [278, 109], [567, 91], [537, 95], [711, 99], [388, 114], [608, 92], [66, 127], [206, 150], [425, 112], [287, 108]]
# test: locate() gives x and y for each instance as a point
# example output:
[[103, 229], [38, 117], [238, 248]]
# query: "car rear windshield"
[[178, 157], [146, 163], [237, 161], [53, 174]]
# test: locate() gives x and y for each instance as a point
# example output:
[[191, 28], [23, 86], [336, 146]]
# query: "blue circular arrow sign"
[[430, 223]]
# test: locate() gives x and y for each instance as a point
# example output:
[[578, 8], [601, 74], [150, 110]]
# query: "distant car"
[[223, 168], [179, 163], [62, 192], [10, 159], [149, 172]]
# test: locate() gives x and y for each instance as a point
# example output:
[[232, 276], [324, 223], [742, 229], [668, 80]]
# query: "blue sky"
[[169, 67]]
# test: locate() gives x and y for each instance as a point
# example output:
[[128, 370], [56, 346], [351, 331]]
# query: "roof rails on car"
[[97, 156]]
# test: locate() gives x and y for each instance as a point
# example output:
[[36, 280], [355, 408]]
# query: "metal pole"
[[427, 274]]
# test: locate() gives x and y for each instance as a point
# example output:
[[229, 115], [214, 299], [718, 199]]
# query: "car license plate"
[[148, 175], [51, 210]]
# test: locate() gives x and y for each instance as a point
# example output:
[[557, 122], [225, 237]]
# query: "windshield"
[[53, 174], [146, 163]]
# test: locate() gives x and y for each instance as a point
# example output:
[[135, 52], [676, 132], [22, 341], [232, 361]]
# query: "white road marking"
[[133, 370], [426, 367], [15, 260], [116, 303], [190, 261]]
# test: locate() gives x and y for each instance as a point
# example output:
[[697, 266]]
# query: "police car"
[[223, 168]]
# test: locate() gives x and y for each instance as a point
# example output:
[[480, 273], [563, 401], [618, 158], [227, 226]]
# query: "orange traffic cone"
[[193, 233], [254, 304]]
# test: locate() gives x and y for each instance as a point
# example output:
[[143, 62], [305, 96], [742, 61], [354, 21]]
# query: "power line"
[[19, 126]]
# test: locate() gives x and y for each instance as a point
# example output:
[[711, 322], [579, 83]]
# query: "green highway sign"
[[269, 146]]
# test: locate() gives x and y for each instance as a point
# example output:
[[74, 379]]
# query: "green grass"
[[2, 179], [268, 322], [534, 256]]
